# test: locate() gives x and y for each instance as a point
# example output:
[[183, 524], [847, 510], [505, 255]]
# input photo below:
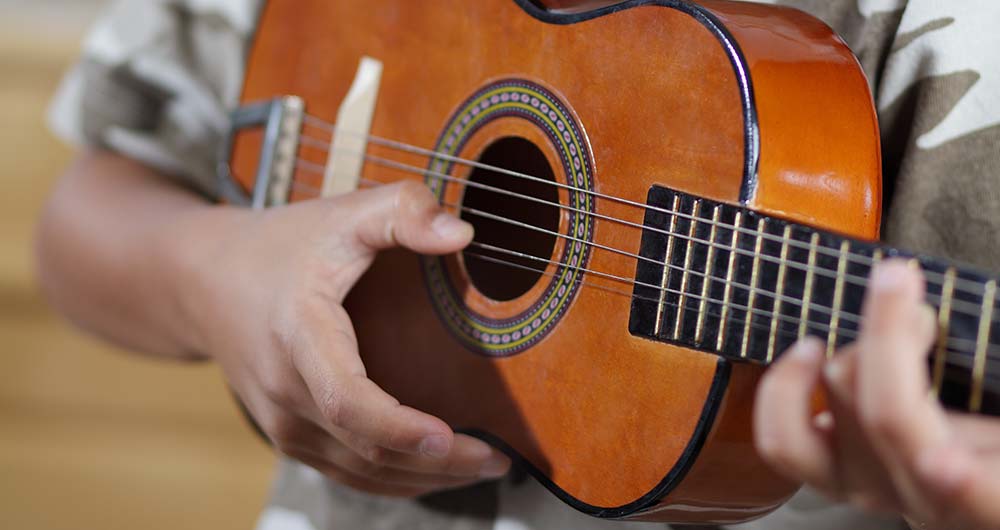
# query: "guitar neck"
[[745, 286]]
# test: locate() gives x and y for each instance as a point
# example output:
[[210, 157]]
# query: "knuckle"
[[771, 448], [398, 436], [306, 297], [869, 501], [365, 482], [280, 333], [792, 463], [304, 457], [771, 389], [413, 199], [377, 473], [284, 329], [782, 455], [331, 406], [375, 455], [410, 192], [275, 387], [351, 471], [884, 421], [346, 478], [768, 384], [456, 467], [282, 429], [356, 464]]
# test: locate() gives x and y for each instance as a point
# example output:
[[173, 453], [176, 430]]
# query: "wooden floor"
[[91, 437]]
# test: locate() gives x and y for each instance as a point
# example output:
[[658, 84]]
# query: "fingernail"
[[824, 421], [448, 226], [885, 277], [497, 466], [929, 316], [807, 349], [834, 371], [435, 446]]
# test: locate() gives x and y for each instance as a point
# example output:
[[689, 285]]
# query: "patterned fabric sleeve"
[[155, 82], [939, 105], [935, 75], [157, 77]]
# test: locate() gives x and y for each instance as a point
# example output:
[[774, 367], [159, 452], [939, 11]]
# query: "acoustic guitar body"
[[738, 103]]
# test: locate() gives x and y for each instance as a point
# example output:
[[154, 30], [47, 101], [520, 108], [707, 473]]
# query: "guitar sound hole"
[[506, 276]]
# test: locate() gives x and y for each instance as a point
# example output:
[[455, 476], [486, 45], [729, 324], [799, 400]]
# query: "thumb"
[[406, 214]]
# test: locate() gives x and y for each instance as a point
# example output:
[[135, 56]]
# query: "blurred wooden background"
[[91, 437]]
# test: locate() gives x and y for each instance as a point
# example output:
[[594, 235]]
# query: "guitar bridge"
[[281, 118]]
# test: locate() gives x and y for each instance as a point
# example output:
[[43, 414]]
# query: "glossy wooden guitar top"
[[736, 102]]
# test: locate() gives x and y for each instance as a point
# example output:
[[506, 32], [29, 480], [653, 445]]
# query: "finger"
[[345, 398], [894, 409], [297, 436], [861, 477], [323, 447], [469, 457], [407, 214], [966, 486], [981, 434], [365, 484], [784, 430], [964, 475], [896, 334], [840, 375]]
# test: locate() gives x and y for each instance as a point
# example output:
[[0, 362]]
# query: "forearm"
[[117, 249]]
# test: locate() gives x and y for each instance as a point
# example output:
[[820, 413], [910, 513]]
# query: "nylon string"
[[955, 343], [974, 288], [958, 306], [857, 280]]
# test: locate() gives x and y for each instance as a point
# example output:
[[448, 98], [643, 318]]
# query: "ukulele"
[[666, 195]]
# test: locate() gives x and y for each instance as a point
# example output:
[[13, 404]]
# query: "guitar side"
[[724, 100]]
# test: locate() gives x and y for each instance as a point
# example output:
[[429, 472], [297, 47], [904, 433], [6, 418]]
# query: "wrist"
[[194, 249]]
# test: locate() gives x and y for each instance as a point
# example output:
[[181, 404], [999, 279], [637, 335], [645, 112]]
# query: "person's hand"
[[272, 317], [885, 444]]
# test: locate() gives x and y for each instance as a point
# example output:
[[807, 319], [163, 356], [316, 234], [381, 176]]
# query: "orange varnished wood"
[[820, 160], [604, 415]]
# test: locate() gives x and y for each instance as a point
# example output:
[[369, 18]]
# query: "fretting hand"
[[885, 444]]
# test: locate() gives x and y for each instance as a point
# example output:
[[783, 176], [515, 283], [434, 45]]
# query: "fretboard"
[[745, 286]]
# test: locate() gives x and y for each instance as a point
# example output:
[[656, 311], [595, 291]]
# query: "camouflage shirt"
[[158, 76]]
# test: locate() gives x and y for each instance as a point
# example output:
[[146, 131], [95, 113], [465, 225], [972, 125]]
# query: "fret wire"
[[673, 268], [665, 277], [696, 210], [877, 256], [838, 299], [707, 282], [754, 273], [856, 280], [772, 336], [864, 260], [995, 377], [728, 290], [821, 327], [944, 326], [805, 303], [982, 342], [807, 293], [804, 320], [956, 303]]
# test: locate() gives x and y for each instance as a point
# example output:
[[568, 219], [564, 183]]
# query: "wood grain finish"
[[607, 418]]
